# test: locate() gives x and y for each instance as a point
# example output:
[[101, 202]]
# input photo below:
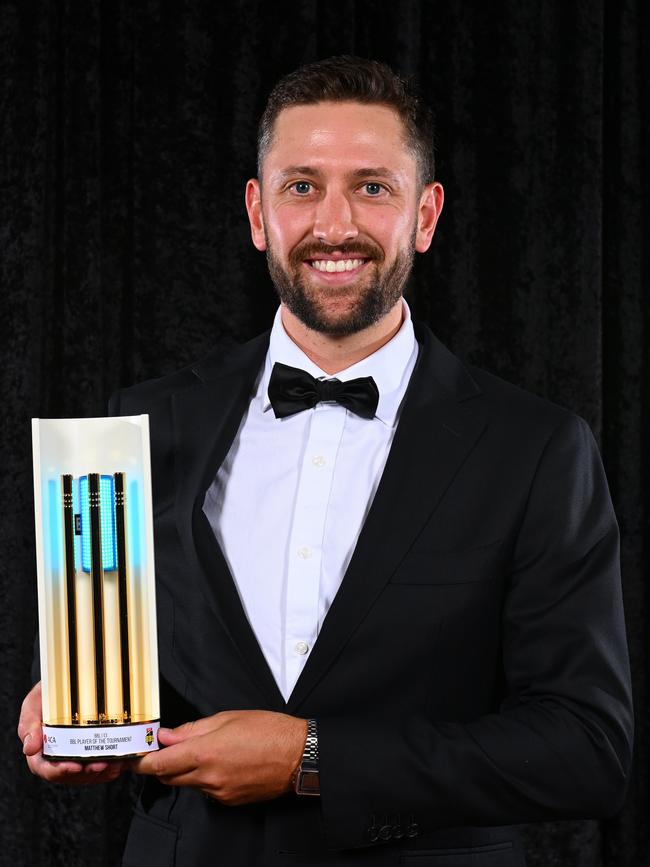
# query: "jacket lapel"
[[439, 426], [205, 421]]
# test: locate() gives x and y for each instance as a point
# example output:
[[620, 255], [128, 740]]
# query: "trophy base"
[[99, 743]]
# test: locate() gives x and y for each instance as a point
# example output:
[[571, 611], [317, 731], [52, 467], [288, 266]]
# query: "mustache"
[[351, 250]]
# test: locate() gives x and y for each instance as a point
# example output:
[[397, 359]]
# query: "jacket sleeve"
[[560, 744]]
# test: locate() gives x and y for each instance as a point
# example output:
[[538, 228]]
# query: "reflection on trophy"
[[94, 526]]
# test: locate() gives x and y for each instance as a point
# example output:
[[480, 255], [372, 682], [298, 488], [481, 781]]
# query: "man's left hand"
[[235, 757]]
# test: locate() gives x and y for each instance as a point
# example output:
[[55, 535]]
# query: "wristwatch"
[[306, 780]]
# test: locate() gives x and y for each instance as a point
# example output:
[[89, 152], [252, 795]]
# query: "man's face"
[[340, 213]]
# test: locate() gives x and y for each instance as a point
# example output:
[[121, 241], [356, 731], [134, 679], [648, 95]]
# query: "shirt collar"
[[390, 366]]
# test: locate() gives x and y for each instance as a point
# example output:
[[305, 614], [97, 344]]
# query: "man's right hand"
[[68, 773]]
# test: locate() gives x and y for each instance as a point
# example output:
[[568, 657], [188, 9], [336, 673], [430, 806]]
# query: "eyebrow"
[[376, 172], [290, 171], [380, 172]]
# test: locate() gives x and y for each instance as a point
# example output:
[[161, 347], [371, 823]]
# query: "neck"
[[333, 354]]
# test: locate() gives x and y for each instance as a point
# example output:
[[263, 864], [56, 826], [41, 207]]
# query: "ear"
[[431, 202], [255, 217]]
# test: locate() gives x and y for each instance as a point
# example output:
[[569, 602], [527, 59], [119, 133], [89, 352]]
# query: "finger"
[[171, 736], [85, 778], [194, 778], [33, 742], [172, 761], [111, 772], [157, 766], [30, 712], [101, 771], [192, 729], [98, 767], [52, 771], [74, 773]]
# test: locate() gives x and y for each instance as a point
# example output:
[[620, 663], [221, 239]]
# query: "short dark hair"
[[354, 79]]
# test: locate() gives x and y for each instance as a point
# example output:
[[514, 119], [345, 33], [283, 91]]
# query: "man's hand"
[[69, 773], [235, 757]]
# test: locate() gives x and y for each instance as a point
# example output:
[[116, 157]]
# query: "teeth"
[[331, 266]]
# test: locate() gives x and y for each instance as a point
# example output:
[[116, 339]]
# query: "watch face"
[[308, 783]]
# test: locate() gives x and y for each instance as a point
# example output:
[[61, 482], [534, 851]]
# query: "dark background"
[[126, 135]]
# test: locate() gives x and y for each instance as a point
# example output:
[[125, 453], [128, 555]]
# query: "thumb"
[[33, 742]]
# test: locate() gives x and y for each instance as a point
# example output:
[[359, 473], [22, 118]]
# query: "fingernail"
[[27, 738], [163, 731]]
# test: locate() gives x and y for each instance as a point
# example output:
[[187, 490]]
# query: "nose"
[[334, 220]]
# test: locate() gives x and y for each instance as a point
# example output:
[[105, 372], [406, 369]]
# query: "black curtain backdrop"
[[126, 134]]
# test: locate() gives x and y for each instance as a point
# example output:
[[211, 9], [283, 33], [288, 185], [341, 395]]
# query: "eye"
[[373, 188], [303, 188]]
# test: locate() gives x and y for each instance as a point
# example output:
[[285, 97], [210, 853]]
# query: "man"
[[389, 602]]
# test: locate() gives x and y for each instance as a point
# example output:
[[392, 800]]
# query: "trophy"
[[97, 615]]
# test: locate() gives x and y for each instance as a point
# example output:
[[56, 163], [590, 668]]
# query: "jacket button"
[[386, 832]]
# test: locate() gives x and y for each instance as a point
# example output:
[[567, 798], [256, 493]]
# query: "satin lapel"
[[206, 419], [439, 425]]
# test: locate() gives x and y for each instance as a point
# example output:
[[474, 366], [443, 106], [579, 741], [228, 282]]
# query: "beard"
[[370, 296]]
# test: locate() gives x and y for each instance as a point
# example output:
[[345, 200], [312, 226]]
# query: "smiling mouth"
[[333, 266]]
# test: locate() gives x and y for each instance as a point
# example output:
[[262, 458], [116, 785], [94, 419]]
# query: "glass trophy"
[[96, 589]]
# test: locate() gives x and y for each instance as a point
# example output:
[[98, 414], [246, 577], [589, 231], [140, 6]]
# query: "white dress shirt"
[[291, 497]]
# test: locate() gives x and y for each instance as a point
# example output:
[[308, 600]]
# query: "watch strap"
[[306, 778]]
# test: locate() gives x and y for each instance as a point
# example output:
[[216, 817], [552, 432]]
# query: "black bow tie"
[[292, 390]]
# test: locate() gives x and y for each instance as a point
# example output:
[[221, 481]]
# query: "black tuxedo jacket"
[[472, 671]]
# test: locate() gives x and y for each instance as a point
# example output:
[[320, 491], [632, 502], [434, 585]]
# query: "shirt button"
[[318, 461], [302, 648], [304, 553]]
